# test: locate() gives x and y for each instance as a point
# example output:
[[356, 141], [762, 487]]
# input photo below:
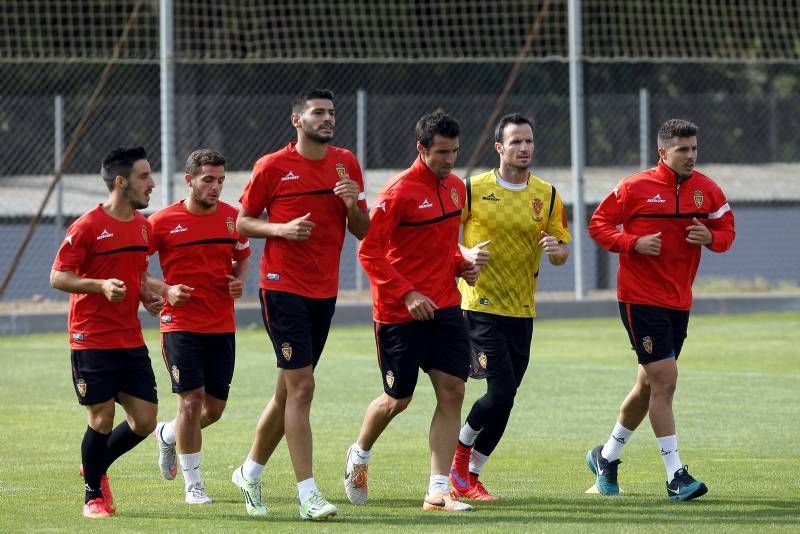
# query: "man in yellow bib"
[[516, 217]]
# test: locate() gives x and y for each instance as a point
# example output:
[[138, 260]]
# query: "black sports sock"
[[121, 441], [93, 456]]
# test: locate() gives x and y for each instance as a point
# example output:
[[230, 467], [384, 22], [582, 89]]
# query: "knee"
[[642, 390], [451, 393], [212, 412], [279, 399], [191, 404], [101, 418], [101, 423], [143, 425], [301, 392], [503, 401], [391, 406], [665, 388]]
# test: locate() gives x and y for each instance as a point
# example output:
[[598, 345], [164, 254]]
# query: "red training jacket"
[[412, 243], [653, 201]]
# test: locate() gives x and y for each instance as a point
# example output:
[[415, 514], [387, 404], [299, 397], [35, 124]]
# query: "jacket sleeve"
[[384, 218], [458, 259], [603, 226], [721, 224]]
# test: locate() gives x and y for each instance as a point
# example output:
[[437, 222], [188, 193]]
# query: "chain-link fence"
[[238, 65]]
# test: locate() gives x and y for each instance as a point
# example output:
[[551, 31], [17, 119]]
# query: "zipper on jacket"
[[439, 196], [677, 198]]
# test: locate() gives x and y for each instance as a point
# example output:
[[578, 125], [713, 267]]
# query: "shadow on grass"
[[581, 510]]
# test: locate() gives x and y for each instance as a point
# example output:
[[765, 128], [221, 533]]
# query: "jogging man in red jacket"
[[666, 216], [412, 257]]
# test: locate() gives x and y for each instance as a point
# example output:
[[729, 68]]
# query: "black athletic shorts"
[[441, 343], [200, 360], [655, 333], [297, 326], [98, 375], [501, 346]]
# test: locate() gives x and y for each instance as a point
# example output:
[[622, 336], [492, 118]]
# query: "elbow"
[[55, 279], [241, 227]]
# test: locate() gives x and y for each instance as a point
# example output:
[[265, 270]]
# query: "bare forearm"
[[240, 268], [154, 284], [358, 223], [70, 282], [256, 227]]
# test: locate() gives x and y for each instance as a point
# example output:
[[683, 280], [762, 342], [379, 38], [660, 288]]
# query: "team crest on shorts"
[[176, 374], [454, 196], [286, 350], [229, 223], [144, 233], [647, 343], [698, 198], [482, 360], [390, 379], [80, 385], [537, 205], [340, 170]]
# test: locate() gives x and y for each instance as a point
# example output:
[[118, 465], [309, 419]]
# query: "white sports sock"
[[468, 435], [669, 453], [359, 455], [305, 487], [252, 470], [438, 484], [190, 465], [612, 450], [476, 462], [168, 433]]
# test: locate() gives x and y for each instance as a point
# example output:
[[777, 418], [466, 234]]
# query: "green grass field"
[[737, 411]]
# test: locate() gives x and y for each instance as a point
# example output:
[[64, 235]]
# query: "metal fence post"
[[361, 154], [577, 146], [166, 26], [58, 155], [644, 127]]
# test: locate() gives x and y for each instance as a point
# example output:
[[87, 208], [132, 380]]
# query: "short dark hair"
[[511, 118], [300, 101], [203, 156], [675, 128], [436, 123], [119, 162]]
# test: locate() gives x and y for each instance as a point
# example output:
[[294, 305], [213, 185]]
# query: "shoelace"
[[454, 496], [317, 500], [254, 487], [197, 490]]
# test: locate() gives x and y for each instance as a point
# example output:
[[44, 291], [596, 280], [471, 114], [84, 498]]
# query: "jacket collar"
[[425, 173], [667, 175]]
